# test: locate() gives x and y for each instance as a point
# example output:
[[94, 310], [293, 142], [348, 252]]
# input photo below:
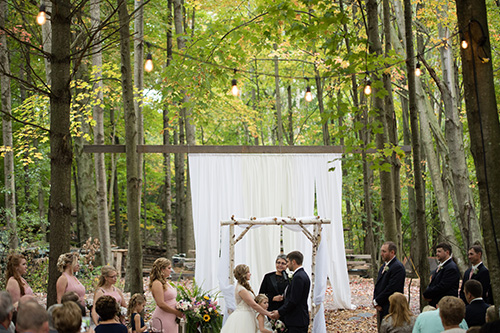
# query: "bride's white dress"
[[242, 320]]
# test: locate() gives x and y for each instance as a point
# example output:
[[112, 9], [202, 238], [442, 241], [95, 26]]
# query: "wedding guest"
[[400, 319], [452, 312], [6, 312], [67, 318], [274, 284], [32, 318], [50, 311], [445, 279], [390, 279], [106, 286], [71, 296], [491, 314], [430, 322], [242, 320], [475, 311], [108, 310], [477, 272], [16, 284], [164, 296], [68, 265]]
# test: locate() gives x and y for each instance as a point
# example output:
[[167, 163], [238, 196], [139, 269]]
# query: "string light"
[[418, 71], [309, 95], [368, 87], [463, 43], [41, 18], [234, 89], [148, 65]]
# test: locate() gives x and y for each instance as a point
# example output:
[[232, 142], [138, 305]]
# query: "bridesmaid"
[[68, 265], [165, 313], [16, 284], [106, 286]]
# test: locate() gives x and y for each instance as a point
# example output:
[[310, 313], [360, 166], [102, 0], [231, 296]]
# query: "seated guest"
[[493, 327], [6, 311], [474, 329], [400, 319], [32, 318], [491, 314], [430, 322], [108, 310], [274, 284], [50, 311], [68, 317], [475, 311], [72, 296], [452, 312]]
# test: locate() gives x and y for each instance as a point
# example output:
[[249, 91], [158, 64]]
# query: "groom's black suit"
[[294, 313]]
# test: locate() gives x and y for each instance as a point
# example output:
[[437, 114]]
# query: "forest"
[[404, 89]]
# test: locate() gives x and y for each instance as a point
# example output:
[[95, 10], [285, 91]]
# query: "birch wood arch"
[[314, 237]]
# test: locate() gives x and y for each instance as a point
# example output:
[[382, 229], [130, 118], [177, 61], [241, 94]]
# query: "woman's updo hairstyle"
[[240, 274], [66, 259]]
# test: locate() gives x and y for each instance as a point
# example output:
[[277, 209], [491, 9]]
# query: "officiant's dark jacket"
[[443, 283], [294, 313], [273, 285], [483, 276], [389, 282]]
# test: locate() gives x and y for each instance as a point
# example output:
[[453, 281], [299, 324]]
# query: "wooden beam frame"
[[315, 239], [160, 149]]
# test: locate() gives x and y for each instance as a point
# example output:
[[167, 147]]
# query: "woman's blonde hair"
[[66, 259], [399, 310], [67, 318], [135, 300], [105, 270], [159, 265], [261, 297], [240, 274]]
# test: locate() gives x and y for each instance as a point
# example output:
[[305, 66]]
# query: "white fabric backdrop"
[[246, 185]]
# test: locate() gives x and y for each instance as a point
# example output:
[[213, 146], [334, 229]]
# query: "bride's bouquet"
[[278, 326], [200, 308]]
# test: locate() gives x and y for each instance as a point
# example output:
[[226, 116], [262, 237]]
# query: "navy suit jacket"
[[389, 282], [475, 313], [295, 313], [443, 283], [483, 276]]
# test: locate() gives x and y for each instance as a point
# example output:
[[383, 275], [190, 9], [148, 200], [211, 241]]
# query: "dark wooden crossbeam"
[[160, 149]]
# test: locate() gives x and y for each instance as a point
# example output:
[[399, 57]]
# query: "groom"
[[295, 313]]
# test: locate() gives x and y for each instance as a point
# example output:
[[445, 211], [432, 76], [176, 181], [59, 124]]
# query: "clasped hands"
[[275, 314]]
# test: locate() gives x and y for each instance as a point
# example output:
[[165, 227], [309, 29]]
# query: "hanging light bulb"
[[418, 71], [41, 18], [309, 95], [368, 87], [234, 89], [148, 65], [463, 43]]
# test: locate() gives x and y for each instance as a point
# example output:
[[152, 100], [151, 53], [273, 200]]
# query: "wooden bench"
[[358, 264]]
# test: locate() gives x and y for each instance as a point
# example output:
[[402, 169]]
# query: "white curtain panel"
[[254, 185]]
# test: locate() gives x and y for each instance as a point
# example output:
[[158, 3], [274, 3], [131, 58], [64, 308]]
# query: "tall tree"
[[8, 167], [134, 258], [61, 154], [484, 125]]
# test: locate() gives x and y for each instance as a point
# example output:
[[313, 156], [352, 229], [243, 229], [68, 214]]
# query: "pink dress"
[[76, 286], [27, 288], [115, 293], [164, 320]]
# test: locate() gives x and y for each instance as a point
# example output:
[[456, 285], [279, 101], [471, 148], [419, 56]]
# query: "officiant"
[[274, 284]]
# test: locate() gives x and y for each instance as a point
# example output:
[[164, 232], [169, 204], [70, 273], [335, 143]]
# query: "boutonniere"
[[439, 268], [475, 271], [290, 276], [386, 268]]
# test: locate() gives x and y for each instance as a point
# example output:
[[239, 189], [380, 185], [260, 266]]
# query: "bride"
[[242, 320]]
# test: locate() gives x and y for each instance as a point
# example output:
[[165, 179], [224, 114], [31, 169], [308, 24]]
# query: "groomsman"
[[295, 313], [446, 277], [477, 272], [390, 279]]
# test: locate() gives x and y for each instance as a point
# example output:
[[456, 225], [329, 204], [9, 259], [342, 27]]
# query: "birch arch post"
[[314, 237]]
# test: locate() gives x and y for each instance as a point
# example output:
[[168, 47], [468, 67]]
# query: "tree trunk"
[[484, 126], [100, 165], [290, 115], [60, 142], [179, 189], [420, 231], [386, 179], [279, 121], [8, 168], [47, 41], [134, 258], [321, 107]]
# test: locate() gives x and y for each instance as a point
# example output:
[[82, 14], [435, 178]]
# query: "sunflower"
[[206, 318]]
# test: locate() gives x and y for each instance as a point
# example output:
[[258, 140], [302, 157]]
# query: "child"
[[263, 324], [135, 307]]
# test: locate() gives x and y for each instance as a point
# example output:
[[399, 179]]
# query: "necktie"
[[471, 272]]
